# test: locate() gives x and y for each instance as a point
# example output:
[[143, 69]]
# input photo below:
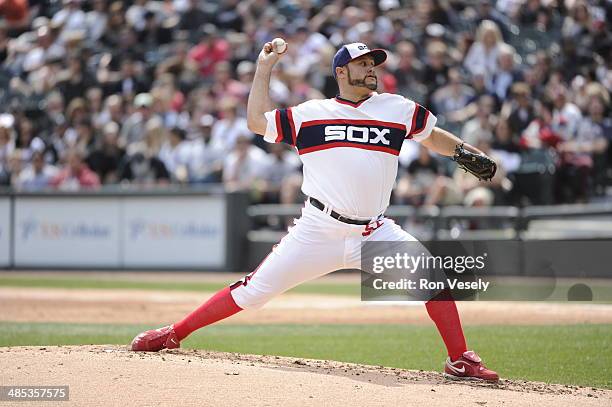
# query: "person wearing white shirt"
[[482, 56], [226, 131], [70, 18], [36, 176], [244, 165], [175, 153], [205, 158]]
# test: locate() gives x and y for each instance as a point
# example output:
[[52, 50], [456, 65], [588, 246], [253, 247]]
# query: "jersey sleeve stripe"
[[285, 132], [354, 123], [419, 120], [292, 126], [279, 129]]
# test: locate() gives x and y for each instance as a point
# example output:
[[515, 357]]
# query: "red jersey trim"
[[279, 128], [399, 126], [413, 130], [349, 102], [353, 145], [292, 125]]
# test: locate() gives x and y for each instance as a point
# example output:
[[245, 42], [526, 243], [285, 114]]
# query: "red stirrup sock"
[[218, 307], [443, 312]]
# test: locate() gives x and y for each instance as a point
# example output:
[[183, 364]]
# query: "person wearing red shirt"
[[209, 51], [75, 175]]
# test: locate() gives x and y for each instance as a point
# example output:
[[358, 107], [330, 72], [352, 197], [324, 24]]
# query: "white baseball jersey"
[[350, 150]]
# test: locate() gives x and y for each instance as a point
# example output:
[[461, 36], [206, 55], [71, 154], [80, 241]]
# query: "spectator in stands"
[[482, 56], [11, 170], [436, 68], [542, 132], [538, 141], [567, 115], [69, 69], [230, 127], [506, 74], [112, 112], [26, 138], [169, 102], [453, 97], [107, 156], [205, 163], [46, 49], [71, 18], [7, 146], [75, 174], [175, 153], [243, 166], [194, 17], [73, 81], [7, 137], [96, 20], [480, 127], [584, 154], [578, 24], [408, 71], [415, 184], [224, 86], [127, 82], [135, 14], [134, 126], [37, 176], [487, 12], [505, 146], [210, 50], [143, 170], [279, 164], [521, 111]]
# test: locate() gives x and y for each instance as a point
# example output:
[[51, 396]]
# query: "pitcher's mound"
[[112, 376]]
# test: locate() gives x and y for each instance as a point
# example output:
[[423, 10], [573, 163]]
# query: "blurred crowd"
[[146, 93]]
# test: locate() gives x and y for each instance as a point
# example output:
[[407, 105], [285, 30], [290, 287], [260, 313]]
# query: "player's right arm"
[[259, 99]]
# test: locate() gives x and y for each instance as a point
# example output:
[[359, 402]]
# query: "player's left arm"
[[467, 157], [443, 142]]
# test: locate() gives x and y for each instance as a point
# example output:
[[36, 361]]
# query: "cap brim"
[[379, 55]]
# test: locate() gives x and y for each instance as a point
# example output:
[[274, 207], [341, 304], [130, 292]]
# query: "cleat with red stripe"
[[469, 367], [155, 340]]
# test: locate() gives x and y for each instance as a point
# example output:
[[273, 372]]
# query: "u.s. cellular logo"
[[160, 230], [49, 230]]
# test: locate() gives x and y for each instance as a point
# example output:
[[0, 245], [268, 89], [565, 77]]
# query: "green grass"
[[515, 290], [84, 282], [574, 354]]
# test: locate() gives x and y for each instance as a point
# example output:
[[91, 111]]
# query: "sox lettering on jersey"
[[340, 133], [385, 137]]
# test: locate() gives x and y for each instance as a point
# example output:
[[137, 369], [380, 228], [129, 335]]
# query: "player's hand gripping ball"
[[271, 52], [279, 45], [481, 166]]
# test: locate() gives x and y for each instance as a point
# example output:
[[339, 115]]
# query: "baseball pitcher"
[[349, 146]]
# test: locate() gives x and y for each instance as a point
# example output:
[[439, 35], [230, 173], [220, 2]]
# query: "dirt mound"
[[112, 376]]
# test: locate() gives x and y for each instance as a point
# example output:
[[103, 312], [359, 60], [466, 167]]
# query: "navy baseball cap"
[[351, 51]]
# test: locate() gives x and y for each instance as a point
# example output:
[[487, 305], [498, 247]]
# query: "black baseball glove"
[[481, 166]]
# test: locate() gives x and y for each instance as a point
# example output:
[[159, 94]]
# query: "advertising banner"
[[166, 232], [5, 232], [67, 232]]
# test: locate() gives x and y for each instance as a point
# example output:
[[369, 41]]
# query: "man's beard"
[[362, 82]]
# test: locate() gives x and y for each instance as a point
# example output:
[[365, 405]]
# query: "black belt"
[[319, 205]]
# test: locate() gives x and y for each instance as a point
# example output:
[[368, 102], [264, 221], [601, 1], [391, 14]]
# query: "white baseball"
[[279, 45]]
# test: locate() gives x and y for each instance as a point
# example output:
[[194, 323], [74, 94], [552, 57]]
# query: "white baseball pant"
[[316, 245]]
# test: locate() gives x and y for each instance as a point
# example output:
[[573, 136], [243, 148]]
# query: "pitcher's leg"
[[442, 308], [291, 263]]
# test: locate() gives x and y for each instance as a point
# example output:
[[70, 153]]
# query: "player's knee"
[[249, 297]]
